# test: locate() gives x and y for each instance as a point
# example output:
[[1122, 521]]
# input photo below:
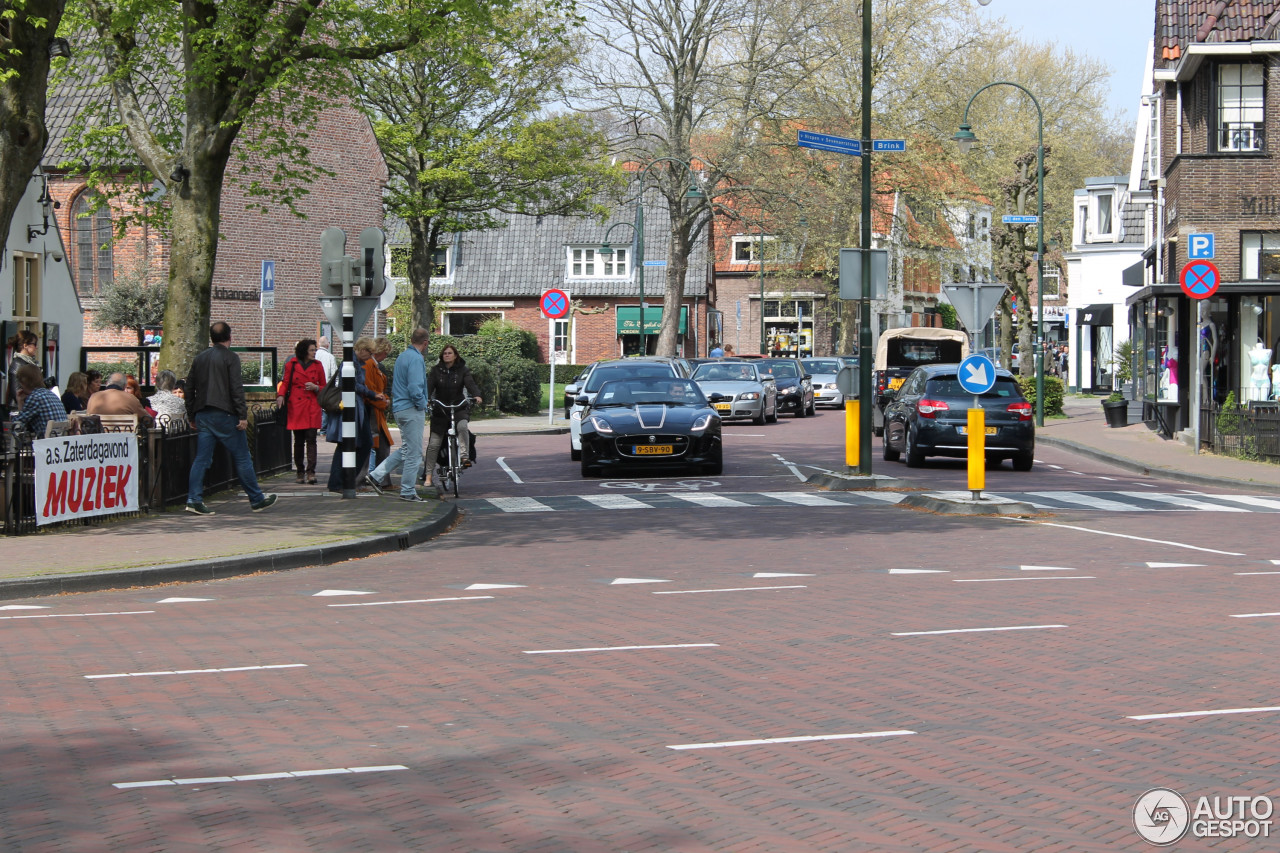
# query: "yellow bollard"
[[977, 451], [852, 411]]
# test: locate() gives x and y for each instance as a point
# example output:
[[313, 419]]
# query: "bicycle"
[[447, 474]]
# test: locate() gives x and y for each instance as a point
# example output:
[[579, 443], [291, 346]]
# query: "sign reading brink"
[[85, 475]]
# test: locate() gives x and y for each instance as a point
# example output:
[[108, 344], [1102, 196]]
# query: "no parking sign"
[[1200, 279], [554, 304]]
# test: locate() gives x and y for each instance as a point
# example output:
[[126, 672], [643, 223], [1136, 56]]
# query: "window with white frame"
[[1153, 140], [1082, 222], [1259, 256], [746, 250], [1105, 203], [442, 262], [1240, 111], [26, 289], [582, 262], [560, 342], [616, 265]]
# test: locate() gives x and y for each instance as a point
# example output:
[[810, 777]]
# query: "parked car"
[[651, 423], [822, 372], [928, 416], [795, 390], [900, 351], [616, 368], [739, 389], [994, 354], [571, 390]]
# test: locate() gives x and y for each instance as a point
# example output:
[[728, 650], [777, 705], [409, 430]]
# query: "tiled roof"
[[1133, 223], [529, 255], [1183, 22]]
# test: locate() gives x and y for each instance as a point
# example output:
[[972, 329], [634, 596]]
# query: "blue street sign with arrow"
[[977, 374]]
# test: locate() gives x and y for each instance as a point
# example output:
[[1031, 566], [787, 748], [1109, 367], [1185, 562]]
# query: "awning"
[[629, 319], [1095, 315], [1132, 276]]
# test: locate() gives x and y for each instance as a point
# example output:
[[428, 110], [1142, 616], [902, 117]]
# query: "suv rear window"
[[947, 385]]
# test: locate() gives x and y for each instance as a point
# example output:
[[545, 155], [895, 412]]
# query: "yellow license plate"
[[895, 384], [988, 430], [724, 407], [654, 449]]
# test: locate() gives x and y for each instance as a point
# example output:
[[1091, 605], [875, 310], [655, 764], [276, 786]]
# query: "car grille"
[[627, 444]]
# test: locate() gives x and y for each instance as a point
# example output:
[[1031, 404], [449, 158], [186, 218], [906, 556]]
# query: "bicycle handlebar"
[[466, 401]]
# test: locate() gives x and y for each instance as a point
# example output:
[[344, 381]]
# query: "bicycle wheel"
[[455, 463]]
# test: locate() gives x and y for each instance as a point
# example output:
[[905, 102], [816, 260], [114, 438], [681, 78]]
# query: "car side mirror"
[[808, 376], [582, 400], [571, 389]]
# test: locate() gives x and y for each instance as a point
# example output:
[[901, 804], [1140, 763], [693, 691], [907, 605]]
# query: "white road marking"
[[974, 630], [1177, 500], [1247, 500], [1251, 615], [1175, 565], [745, 434], [1257, 573], [1080, 473], [887, 497], [732, 589], [622, 648], [77, 615], [1100, 477], [623, 581], [415, 601], [707, 499], [1146, 485], [790, 467], [253, 777], [1205, 713], [1054, 578], [180, 600], [198, 671], [1054, 467], [967, 495], [1120, 535], [329, 592], [919, 571], [782, 575], [1086, 500], [806, 739], [25, 607], [505, 467], [615, 502], [519, 505], [1046, 569], [802, 498], [476, 586]]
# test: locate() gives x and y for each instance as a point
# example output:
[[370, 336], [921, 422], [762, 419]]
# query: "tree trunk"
[[196, 216], [673, 293], [423, 235]]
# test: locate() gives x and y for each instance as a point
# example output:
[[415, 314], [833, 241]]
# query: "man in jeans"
[[409, 404], [216, 406]]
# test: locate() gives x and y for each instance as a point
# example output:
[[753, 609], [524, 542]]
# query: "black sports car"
[[655, 423]]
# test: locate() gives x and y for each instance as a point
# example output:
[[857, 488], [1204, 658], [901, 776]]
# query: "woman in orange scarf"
[[376, 380]]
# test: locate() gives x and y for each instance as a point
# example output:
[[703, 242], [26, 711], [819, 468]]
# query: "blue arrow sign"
[[268, 276], [827, 142], [889, 145], [1019, 220], [977, 374]]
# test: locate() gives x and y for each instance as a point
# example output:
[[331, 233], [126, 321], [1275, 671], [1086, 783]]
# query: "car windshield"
[[821, 365], [670, 390], [781, 369], [725, 372], [948, 385], [641, 370]]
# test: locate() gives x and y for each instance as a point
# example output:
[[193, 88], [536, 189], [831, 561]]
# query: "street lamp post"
[[965, 137], [764, 346]]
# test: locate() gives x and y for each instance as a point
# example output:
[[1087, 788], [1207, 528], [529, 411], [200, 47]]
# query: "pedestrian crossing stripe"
[[1049, 501]]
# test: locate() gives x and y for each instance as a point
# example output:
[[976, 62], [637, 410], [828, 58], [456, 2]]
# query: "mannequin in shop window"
[[1169, 375], [1259, 381]]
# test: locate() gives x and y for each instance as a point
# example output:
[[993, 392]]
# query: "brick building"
[[1214, 122], [342, 142]]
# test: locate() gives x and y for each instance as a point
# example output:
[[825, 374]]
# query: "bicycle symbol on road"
[[678, 486]]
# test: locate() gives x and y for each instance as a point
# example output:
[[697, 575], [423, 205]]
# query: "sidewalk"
[[306, 527], [1138, 448]]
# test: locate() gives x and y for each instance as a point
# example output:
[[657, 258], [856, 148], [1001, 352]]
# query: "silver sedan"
[[738, 390], [823, 372]]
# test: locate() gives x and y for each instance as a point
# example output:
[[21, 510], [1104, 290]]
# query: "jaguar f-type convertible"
[[650, 423]]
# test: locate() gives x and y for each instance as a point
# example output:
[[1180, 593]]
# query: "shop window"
[[1259, 374], [1259, 256]]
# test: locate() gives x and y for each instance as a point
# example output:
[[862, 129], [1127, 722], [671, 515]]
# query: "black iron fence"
[[166, 453], [1249, 433]]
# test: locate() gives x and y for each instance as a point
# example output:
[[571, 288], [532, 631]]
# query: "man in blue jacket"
[[409, 405]]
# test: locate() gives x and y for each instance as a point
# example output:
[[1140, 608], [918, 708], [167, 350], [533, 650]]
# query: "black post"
[[348, 384]]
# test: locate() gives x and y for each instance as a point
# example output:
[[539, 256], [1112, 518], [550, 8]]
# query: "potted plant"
[[1116, 407]]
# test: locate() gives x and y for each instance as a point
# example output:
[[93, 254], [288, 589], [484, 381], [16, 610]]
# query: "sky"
[[1115, 31]]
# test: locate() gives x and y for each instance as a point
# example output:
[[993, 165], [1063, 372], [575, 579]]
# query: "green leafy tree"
[[26, 28], [183, 82], [461, 123], [131, 302]]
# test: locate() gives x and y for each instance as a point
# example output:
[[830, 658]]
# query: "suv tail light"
[[1022, 410], [929, 408]]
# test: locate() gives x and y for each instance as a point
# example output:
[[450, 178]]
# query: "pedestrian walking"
[[716, 352], [376, 381], [409, 406], [364, 433], [217, 408], [325, 357], [300, 399]]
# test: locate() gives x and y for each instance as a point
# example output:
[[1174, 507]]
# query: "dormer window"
[[1240, 111], [589, 262], [1105, 202]]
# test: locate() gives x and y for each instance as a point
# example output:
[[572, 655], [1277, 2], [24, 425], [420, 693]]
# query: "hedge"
[[564, 372], [1053, 391]]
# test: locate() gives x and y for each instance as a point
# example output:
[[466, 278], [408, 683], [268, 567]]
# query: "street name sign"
[[889, 145], [827, 142], [1019, 220], [977, 374]]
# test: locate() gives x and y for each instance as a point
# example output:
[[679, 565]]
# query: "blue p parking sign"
[[1200, 247]]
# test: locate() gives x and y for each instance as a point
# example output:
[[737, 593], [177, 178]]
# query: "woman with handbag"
[[298, 398], [376, 381]]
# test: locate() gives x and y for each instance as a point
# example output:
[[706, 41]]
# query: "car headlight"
[[749, 395], [701, 423], [790, 390], [575, 415], [601, 425]]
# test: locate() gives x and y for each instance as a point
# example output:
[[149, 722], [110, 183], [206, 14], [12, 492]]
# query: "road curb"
[[542, 431], [1158, 471], [440, 519], [833, 482], [946, 506]]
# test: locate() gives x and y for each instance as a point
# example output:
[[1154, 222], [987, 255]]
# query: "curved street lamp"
[[965, 138]]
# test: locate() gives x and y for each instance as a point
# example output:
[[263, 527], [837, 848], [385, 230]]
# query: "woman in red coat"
[[300, 394]]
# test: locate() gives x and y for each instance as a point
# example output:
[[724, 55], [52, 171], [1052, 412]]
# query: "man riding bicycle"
[[449, 382]]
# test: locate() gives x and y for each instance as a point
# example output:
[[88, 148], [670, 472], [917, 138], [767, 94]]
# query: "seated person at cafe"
[[40, 406], [77, 394], [114, 400]]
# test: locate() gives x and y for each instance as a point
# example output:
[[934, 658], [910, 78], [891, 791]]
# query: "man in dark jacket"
[[449, 382], [216, 406]]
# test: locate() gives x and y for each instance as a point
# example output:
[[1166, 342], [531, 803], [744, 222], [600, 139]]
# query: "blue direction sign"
[[1019, 220], [827, 142], [977, 374], [267, 296], [889, 145]]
